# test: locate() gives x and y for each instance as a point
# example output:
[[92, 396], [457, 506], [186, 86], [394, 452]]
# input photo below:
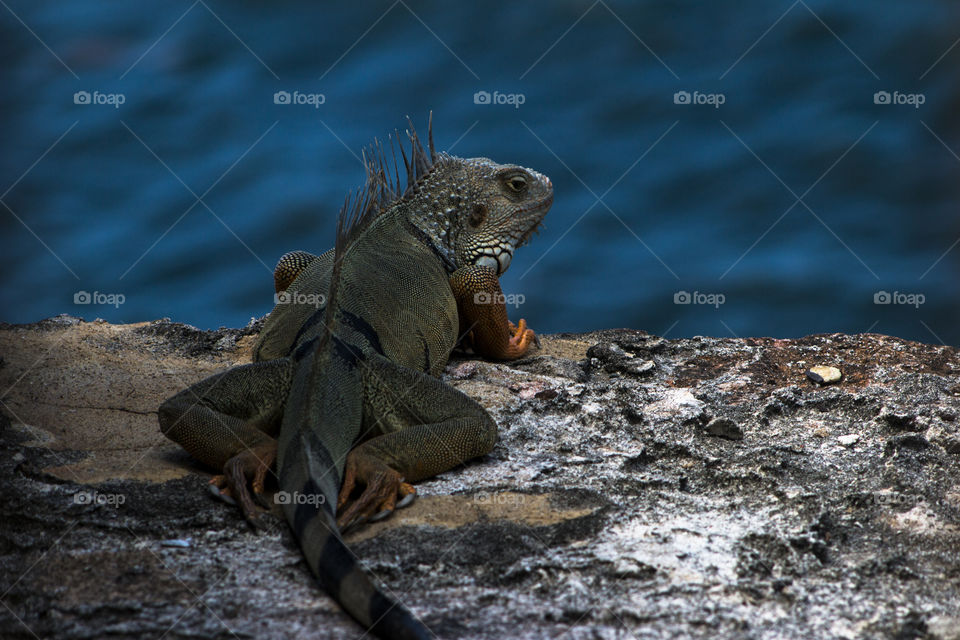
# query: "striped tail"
[[311, 511]]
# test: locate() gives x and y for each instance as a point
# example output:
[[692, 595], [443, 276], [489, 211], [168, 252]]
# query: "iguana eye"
[[517, 183]]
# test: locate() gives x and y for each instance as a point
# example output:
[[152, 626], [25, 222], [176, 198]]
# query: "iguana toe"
[[405, 501], [218, 489], [519, 343], [382, 488], [242, 472]]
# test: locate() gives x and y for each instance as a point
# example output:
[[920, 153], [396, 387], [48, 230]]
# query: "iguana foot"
[[382, 488], [520, 340], [249, 467]]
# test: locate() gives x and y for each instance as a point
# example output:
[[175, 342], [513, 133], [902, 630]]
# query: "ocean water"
[[753, 168]]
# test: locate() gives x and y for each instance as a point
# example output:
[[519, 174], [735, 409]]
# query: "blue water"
[[694, 197]]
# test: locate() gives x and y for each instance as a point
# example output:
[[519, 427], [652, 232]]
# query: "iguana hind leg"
[[416, 427], [483, 315], [229, 421]]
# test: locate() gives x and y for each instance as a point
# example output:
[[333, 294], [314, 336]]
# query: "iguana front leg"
[[228, 421], [291, 265], [480, 303], [416, 427]]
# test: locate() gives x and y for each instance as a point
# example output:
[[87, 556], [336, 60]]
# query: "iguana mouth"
[[541, 206]]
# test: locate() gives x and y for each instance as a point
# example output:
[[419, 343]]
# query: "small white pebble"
[[824, 375], [181, 543], [849, 439]]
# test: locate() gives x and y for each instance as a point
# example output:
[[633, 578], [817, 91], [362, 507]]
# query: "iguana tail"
[[310, 508], [312, 452]]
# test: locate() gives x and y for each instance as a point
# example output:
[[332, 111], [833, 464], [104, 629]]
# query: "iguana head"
[[477, 212], [472, 211]]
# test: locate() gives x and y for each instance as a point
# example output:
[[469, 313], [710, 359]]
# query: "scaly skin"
[[343, 390]]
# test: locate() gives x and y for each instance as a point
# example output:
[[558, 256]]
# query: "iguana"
[[342, 395]]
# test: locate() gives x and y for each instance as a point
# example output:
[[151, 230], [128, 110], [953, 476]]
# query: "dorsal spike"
[[433, 152], [379, 192], [348, 214], [421, 163], [406, 164], [396, 171], [374, 198]]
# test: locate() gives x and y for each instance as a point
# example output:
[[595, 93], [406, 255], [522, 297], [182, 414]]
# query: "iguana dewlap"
[[342, 397]]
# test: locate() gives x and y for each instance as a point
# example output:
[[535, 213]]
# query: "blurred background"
[[752, 168]]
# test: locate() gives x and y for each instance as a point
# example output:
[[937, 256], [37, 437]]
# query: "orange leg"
[[483, 314]]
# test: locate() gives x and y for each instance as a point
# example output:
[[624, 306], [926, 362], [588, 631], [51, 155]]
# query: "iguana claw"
[[407, 500], [216, 482], [379, 516]]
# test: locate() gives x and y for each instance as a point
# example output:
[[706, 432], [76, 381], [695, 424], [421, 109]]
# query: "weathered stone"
[[725, 428], [604, 510], [849, 439], [824, 375]]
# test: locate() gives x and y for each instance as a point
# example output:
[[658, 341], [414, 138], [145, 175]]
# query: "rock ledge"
[[641, 487]]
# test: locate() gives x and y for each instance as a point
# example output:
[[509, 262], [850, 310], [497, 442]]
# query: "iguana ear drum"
[[477, 215]]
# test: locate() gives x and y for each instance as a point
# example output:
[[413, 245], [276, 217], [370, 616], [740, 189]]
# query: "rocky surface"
[[641, 487]]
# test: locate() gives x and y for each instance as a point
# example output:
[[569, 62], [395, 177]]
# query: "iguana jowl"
[[342, 393]]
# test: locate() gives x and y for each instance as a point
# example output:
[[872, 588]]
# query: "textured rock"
[[641, 487]]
